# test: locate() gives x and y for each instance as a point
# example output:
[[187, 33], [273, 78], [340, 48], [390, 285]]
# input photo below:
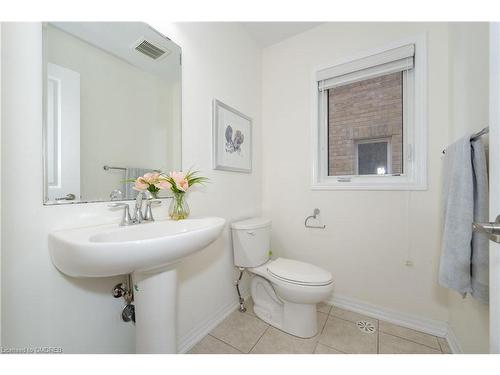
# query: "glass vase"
[[154, 194], [178, 209]]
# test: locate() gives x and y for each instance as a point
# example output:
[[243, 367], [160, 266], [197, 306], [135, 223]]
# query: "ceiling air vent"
[[150, 50]]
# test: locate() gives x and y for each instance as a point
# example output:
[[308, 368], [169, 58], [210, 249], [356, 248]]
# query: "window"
[[370, 129], [359, 112]]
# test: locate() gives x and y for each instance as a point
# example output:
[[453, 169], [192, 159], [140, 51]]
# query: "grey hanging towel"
[[129, 192], [458, 209], [480, 242], [464, 257]]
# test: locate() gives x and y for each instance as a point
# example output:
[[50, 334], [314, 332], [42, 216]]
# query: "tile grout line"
[[378, 331], [415, 342], [350, 321], [322, 330], [354, 323], [239, 351], [328, 346], [441, 347], [347, 320], [378, 340], [331, 347], [378, 336], [315, 347], [229, 343], [260, 337], [269, 326]]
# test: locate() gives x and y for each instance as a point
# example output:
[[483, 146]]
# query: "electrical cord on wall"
[[409, 242]]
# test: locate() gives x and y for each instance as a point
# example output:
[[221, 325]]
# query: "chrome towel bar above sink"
[[314, 216]]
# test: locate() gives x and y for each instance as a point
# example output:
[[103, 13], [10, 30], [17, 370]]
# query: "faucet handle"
[[148, 213], [126, 219], [116, 195]]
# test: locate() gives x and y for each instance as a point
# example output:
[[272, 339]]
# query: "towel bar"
[[107, 168], [475, 136]]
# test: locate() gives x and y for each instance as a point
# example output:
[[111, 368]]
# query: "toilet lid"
[[299, 272]]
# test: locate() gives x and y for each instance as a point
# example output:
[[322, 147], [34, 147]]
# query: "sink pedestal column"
[[155, 296]]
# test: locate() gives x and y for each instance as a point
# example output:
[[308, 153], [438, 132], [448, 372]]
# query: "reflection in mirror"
[[112, 103]]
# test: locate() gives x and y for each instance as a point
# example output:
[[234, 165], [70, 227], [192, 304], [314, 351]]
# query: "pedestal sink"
[[147, 251]]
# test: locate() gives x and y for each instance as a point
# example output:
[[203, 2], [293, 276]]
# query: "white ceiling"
[[268, 33]]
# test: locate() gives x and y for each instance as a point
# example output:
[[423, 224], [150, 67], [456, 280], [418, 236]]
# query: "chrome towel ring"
[[314, 216]]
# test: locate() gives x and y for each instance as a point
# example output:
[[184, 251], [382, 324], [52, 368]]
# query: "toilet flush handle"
[[251, 233]]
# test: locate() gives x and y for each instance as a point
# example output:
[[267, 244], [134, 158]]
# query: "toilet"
[[285, 291]]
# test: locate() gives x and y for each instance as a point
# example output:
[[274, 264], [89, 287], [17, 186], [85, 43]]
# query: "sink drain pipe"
[[126, 290]]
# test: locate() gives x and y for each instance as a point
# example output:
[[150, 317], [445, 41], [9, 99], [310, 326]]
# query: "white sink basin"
[[108, 250]]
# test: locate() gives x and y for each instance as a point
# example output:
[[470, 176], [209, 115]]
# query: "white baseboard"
[[430, 326], [204, 327], [453, 342]]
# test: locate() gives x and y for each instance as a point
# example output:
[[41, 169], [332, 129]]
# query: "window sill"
[[371, 183]]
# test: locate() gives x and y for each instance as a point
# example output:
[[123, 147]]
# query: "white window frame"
[[414, 176], [365, 141]]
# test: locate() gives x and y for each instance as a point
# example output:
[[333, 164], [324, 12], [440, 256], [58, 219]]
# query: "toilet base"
[[298, 319]]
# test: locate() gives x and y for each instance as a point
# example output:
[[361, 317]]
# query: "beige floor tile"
[[239, 330], [211, 345], [337, 334], [352, 316], [389, 344], [275, 341], [409, 334], [345, 336], [324, 307], [323, 349], [322, 318], [445, 348]]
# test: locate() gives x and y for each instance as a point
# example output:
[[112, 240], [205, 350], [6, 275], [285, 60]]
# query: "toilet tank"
[[251, 239]]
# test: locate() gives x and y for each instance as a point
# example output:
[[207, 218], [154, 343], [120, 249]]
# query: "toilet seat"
[[300, 273]]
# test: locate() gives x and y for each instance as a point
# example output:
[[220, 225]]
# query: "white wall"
[[370, 234], [40, 306], [469, 319]]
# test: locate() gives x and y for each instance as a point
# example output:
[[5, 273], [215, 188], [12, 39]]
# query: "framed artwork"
[[232, 139]]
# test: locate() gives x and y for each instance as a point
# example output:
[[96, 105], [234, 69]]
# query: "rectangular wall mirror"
[[112, 108]]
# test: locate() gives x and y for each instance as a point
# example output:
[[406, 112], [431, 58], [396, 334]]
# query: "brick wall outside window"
[[369, 109]]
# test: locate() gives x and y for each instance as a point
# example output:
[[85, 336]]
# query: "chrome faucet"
[[138, 217], [126, 219]]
